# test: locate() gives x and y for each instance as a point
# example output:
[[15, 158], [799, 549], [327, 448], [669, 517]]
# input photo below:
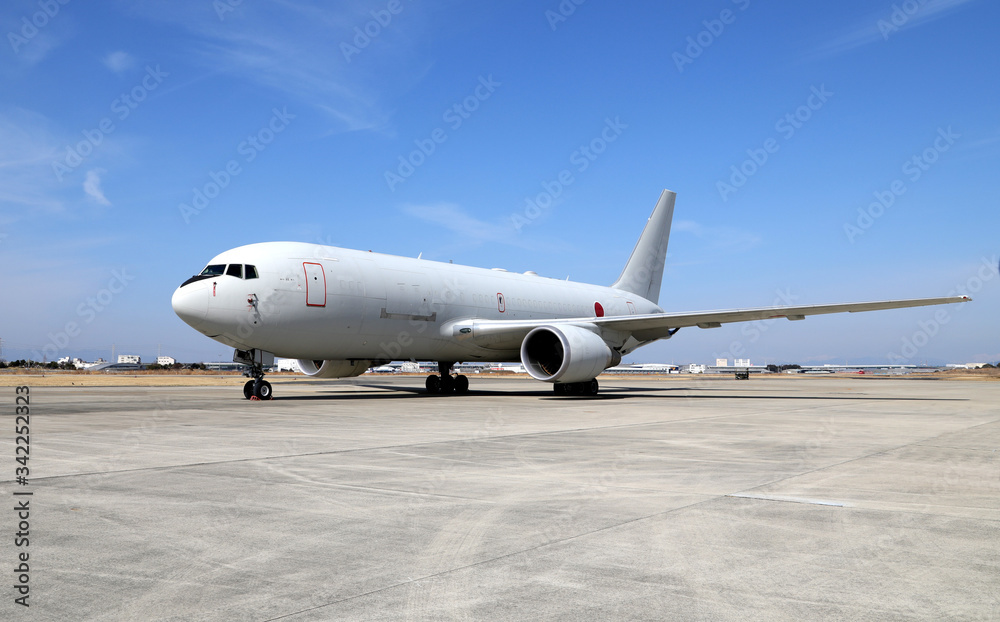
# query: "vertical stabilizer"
[[644, 271]]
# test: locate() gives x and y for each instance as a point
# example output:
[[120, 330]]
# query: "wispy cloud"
[[720, 239], [469, 229], [299, 50], [984, 146], [887, 23], [27, 148], [27, 43], [119, 62], [92, 186]]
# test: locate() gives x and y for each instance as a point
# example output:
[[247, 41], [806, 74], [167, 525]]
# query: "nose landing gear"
[[257, 388]]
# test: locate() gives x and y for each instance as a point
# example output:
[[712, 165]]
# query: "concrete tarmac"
[[675, 499]]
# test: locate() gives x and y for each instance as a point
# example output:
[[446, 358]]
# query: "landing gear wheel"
[[433, 384], [590, 388], [461, 385], [262, 390], [248, 389], [447, 385]]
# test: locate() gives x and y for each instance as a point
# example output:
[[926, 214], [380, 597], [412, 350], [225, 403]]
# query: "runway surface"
[[680, 499]]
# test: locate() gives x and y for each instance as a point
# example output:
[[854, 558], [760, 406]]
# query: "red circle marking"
[[598, 309]]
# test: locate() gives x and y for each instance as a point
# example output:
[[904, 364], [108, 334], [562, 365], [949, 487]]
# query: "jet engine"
[[334, 369], [566, 354]]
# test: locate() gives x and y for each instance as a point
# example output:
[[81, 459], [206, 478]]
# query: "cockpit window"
[[219, 269], [214, 270]]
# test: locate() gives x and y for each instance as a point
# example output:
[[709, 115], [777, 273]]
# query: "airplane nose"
[[191, 305]]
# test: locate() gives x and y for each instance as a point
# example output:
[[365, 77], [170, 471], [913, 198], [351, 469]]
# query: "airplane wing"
[[661, 325]]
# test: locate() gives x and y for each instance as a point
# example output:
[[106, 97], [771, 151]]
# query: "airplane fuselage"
[[322, 302]]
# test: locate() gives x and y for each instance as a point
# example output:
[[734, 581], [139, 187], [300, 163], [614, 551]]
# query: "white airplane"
[[340, 312]]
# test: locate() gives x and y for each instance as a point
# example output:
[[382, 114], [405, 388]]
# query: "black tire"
[[591, 388], [559, 388], [447, 385], [262, 390], [433, 384], [461, 385], [248, 389]]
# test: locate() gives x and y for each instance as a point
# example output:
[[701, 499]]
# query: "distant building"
[[410, 367], [288, 365], [166, 361], [129, 358], [722, 362], [694, 368], [741, 362], [76, 362]]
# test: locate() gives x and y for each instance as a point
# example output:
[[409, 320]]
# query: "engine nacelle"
[[566, 354], [333, 369]]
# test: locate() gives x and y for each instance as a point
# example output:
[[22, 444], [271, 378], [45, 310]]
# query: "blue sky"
[[825, 152]]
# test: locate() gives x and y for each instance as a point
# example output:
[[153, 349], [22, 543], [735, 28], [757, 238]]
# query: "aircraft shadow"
[[616, 393]]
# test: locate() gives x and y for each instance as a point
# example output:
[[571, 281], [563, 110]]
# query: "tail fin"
[[643, 273]]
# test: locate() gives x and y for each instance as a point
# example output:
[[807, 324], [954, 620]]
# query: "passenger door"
[[315, 284]]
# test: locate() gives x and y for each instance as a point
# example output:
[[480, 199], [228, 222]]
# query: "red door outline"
[[316, 294]]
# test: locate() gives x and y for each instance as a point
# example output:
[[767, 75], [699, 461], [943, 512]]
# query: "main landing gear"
[[258, 388], [445, 383], [589, 387]]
